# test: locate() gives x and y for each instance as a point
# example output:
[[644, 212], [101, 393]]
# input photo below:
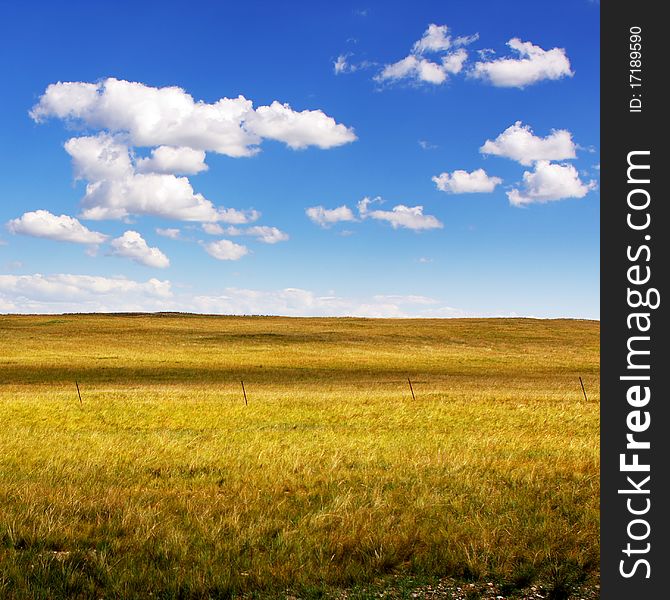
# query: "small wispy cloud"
[[343, 64], [171, 232]]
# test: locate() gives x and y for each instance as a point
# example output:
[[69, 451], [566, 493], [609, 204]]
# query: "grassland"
[[162, 483]]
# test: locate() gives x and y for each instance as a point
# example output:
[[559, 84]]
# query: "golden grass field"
[[162, 483]]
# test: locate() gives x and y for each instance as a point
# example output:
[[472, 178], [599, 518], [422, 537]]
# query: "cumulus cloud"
[[97, 158], [549, 182], [226, 250], [116, 191], [453, 63], [326, 217], [416, 67], [519, 143], [165, 196], [400, 216], [179, 130], [167, 159], [133, 246], [435, 39], [81, 293], [169, 116], [43, 224], [297, 129], [532, 64], [462, 182], [424, 70]]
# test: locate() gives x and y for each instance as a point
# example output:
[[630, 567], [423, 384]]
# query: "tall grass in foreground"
[[163, 482]]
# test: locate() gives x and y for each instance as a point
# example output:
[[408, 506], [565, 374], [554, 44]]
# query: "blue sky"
[[398, 159]]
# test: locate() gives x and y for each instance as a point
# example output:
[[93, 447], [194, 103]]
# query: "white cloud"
[[165, 196], [232, 215], [549, 182], [226, 250], [96, 158], [183, 130], [453, 63], [167, 159], [171, 232], [405, 67], [424, 70], [71, 99], [133, 246], [301, 302], [212, 228], [435, 40], [532, 65], [265, 234], [268, 235], [341, 65], [426, 145], [43, 224], [326, 217], [462, 182], [180, 131], [486, 53], [465, 40], [430, 72], [81, 293], [298, 129], [363, 204], [116, 191], [169, 116], [407, 217], [519, 143]]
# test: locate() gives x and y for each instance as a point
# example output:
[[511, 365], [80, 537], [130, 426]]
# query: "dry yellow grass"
[[164, 482]]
